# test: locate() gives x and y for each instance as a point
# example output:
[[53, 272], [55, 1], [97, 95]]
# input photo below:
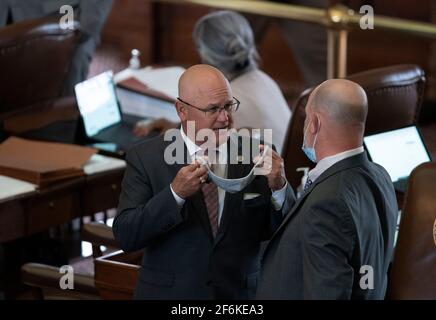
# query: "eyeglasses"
[[214, 111]]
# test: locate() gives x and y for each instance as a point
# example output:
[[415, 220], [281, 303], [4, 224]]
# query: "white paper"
[[10, 187], [99, 163], [165, 80], [148, 107]]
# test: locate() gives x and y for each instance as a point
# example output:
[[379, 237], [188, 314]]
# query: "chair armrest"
[[48, 277], [99, 234]]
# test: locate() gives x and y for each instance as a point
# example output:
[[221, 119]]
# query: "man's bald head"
[[200, 80], [342, 101], [335, 117], [203, 88]]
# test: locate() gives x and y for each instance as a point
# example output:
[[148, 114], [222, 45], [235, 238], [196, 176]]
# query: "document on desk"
[[10, 187], [159, 82], [42, 163], [99, 163]]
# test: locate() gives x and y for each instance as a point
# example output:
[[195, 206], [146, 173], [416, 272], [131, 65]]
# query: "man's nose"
[[223, 115]]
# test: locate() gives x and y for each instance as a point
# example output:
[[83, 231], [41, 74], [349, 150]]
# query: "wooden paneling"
[[101, 192], [129, 26], [12, 218]]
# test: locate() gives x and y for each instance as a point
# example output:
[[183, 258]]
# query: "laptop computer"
[[103, 121], [399, 152]]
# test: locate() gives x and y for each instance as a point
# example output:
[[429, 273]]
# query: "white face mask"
[[234, 185]]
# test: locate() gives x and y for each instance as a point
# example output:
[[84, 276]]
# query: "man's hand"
[[272, 167], [189, 179], [161, 125]]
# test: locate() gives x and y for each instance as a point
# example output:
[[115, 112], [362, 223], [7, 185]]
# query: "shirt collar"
[[327, 162], [190, 145], [194, 148]]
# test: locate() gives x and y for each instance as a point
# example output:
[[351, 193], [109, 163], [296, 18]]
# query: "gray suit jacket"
[[344, 221], [182, 260]]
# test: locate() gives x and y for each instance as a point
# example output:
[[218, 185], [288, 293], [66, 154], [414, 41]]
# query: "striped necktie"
[[210, 196]]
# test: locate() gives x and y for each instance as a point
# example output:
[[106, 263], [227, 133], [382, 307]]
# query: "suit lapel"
[[194, 203]]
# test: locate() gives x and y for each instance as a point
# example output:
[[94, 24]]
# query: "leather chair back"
[[35, 59], [395, 95], [413, 271]]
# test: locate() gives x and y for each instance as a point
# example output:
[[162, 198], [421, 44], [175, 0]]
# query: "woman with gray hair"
[[224, 39]]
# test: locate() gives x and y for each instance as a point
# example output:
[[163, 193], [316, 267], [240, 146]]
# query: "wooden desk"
[[116, 274], [101, 191], [13, 218], [60, 203]]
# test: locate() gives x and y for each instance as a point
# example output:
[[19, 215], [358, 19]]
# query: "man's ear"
[[314, 124], [181, 111]]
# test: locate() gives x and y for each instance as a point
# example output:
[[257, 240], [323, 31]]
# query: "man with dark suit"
[[199, 241], [337, 240], [91, 14]]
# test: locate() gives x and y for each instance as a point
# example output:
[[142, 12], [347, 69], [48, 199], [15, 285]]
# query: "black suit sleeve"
[[143, 216], [328, 238]]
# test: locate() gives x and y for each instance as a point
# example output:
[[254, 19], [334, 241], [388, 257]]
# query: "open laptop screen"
[[98, 103], [398, 151]]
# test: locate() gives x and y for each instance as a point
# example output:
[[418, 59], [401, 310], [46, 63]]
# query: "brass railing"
[[338, 20]]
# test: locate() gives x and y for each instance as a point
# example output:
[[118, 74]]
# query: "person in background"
[[225, 40], [91, 14]]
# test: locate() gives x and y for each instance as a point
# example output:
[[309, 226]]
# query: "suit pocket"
[[252, 280], [156, 277], [260, 200]]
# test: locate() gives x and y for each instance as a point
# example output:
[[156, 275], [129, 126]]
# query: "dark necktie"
[[210, 195]]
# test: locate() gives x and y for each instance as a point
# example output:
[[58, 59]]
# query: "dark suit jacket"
[[181, 259], [344, 221]]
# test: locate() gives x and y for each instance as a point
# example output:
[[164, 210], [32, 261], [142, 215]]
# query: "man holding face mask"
[[199, 241], [337, 240]]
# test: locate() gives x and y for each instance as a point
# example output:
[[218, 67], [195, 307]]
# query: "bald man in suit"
[[199, 241], [337, 240]]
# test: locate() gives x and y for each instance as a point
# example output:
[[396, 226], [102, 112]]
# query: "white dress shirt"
[[327, 162], [220, 169]]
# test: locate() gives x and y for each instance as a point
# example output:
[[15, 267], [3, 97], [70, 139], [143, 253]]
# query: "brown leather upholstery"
[[394, 93], [292, 154], [413, 271], [35, 58]]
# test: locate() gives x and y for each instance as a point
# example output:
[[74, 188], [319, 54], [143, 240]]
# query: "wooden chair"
[[44, 279], [413, 270]]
